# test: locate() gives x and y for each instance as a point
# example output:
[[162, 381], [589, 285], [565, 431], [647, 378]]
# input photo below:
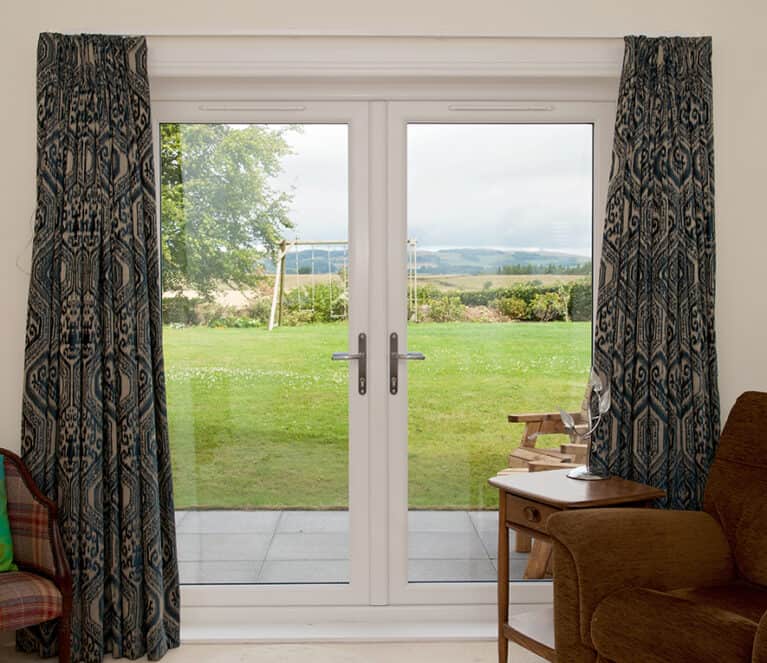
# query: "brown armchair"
[[672, 586], [42, 587]]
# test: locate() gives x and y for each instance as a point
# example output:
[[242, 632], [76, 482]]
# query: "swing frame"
[[278, 291]]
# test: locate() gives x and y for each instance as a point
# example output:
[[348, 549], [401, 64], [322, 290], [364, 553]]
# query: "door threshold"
[[343, 624]]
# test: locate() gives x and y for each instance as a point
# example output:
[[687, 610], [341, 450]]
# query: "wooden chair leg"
[[65, 644], [522, 542], [538, 560], [65, 628]]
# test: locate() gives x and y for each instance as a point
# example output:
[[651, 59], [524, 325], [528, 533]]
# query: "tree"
[[220, 215]]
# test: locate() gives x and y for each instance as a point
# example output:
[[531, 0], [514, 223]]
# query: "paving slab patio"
[[233, 547]]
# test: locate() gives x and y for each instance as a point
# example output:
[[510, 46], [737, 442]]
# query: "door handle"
[[362, 357], [394, 357], [412, 356]]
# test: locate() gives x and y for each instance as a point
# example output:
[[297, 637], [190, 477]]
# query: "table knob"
[[532, 514]]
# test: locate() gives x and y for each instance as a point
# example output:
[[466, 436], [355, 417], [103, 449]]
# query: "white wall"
[[740, 100]]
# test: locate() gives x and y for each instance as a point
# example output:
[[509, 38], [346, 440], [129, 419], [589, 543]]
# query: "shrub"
[[323, 303], [446, 309], [424, 296], [426, 292], [580, 306], [180, 310], [513, 307], [237, 322], [296, 318], [479, 297], [549, 306], [259, 310], [208, 312], [524, 291]]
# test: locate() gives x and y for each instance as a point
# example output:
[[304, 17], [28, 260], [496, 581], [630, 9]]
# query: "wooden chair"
[[547, 423], [42, 587], [529, 458]]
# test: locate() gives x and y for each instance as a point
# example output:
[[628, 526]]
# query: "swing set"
[[322, 257]]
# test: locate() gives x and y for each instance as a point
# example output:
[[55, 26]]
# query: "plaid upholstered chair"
[[42, 587]]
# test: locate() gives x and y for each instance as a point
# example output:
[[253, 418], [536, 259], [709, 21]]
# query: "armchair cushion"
[[740, 597], [664, 628], [27, 599], [612, 549], [6, 542]]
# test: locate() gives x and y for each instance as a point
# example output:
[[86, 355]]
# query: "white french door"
[[489, 176], [418, 525], [269, 435]]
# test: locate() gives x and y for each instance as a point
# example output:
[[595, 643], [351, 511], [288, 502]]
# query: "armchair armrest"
[[609, 549]]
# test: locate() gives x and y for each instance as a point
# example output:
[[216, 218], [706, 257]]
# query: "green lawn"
[[258, 418]]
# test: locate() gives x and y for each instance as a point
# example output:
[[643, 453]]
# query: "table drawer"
[[526, 513]]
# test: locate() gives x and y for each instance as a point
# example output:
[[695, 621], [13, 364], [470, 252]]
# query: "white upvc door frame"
[[378, 422], [354, 114], [303, 79], [601, 116]]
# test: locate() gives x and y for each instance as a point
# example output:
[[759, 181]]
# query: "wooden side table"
[[525, 503]]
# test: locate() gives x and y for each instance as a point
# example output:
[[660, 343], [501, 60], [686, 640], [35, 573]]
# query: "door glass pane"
[[499, 301], [258, 413]]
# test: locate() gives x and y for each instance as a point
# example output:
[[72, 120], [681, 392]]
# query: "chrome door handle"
[[394, 357], [362, 356], [412, 356]]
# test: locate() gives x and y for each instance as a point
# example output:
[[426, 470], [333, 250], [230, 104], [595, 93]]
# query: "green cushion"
[[6, 543]]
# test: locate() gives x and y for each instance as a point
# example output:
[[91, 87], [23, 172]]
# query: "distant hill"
[[442, 261], [488, 261]]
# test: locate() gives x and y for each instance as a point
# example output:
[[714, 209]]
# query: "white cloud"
[[499, 185]]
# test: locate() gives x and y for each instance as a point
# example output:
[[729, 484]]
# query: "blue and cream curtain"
[[654, 335], [94, 430]]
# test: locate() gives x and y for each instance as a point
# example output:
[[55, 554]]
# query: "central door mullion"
[[377, 474], [359, 324]]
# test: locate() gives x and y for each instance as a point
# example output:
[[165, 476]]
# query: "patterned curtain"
[[654, 337], [94, 430]]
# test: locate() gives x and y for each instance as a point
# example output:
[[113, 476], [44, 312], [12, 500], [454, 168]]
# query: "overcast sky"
[[478, 185]]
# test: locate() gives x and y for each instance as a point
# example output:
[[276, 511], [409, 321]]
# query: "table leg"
[[538, 560], [503, 580]]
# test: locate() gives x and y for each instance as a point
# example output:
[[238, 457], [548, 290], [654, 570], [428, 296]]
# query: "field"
[[464, 282], [258, 418], [441, 282]]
